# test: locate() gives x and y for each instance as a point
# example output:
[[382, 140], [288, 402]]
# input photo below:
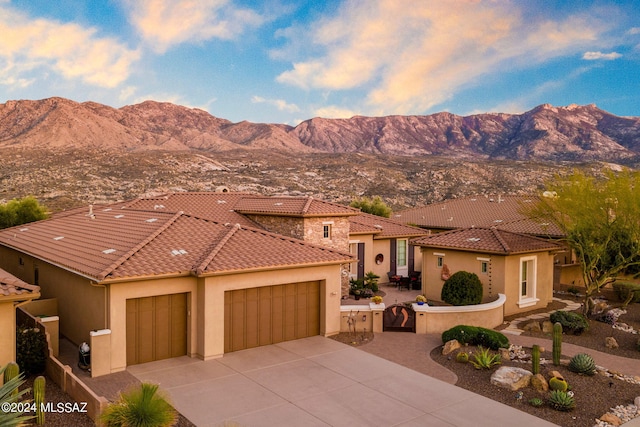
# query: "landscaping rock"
[[547, 327], [450, 346], [636, 402], [539, 383], [505, 354], [557, 375], [611, 419], [599, 308], [610, 342], [532, 327], [511, 377]]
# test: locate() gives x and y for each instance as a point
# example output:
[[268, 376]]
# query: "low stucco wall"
[[361, 318], [435, 320]]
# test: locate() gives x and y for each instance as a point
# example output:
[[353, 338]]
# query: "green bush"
[[570, 321], [462, 288], [475, 335], [623, 289], [31, 350]]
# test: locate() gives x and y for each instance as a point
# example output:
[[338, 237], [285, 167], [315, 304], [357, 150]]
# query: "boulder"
[[505, 354], [610, 342], [539, 383], [450, 346], [511, 377], [599, 308], [636, 402], [556, 374], [611, 419], [547, 327], [532, 327]]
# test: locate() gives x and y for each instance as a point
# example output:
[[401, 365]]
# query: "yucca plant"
[[8, 395], [141, 407], [484, 359], [561, 401]]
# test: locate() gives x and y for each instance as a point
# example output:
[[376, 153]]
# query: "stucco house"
[[516, 265], [13, 293], [165, 282]]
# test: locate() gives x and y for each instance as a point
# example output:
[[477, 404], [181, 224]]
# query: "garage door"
[[156, 328], [271, 314]]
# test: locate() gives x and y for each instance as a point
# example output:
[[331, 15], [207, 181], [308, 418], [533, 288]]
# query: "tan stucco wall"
[[77, 299], [503, 276], [435, 320], [7, 333]]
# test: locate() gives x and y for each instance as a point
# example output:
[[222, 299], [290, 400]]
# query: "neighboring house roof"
[[486, 240], [292, 206], [382, 228], [116, 244], [503, 212], [12, 288]]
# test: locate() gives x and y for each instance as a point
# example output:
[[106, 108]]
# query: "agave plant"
[[140, 406], [561, 401], [583, 364], [484, 359]]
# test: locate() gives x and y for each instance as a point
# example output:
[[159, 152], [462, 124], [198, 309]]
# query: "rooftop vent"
[[24, 229], [473, 239], [119, 216], [176, 252], [155, 207], [151, 220], [106, 210], [378, 226], [220, 202], [58, 238], [498, 220], [278, 204], [108, 251]]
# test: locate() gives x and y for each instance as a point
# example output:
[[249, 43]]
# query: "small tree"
[[21, 211], [374, 206], [599, 218], [462, 288]]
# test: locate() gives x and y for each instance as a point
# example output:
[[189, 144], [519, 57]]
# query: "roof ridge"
[[139, 246], [498, 236], [307, 205], [200, 268]]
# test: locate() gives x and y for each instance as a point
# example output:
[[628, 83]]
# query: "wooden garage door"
[[271, 314], [156, 328]]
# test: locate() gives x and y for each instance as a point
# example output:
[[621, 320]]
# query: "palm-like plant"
[[8, 395], [140, 407]]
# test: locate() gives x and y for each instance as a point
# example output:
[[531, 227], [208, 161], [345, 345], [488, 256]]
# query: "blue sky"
[[284, 61]]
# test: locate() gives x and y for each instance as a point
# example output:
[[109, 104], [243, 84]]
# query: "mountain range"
[[545, 133]]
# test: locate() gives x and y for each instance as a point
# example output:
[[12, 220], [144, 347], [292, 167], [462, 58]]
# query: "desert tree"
[[374, 206], [600, 217], [21, 211]]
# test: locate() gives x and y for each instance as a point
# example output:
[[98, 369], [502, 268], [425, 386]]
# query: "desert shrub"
[[623, 289], [570, 321], [31, 350], [476, 335], [462, 288], [483, 359], [140, 406]]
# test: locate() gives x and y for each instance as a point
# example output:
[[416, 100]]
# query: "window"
[[439, 262], [21, 261], [36, 277], [527, 282], [484, 267], [326, 231]]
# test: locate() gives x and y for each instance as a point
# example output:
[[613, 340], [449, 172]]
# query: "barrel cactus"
[[583, 364], [462, 357], [558, 384]]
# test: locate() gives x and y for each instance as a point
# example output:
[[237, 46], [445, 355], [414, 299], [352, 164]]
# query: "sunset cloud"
[[166, 23], [280, 104], [411, 59], [70, 50]]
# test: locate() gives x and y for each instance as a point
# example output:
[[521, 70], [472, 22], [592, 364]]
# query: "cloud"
[[592, 56], [334, 112], [408, 60], [280, 104], [70, 50], [166, 23], [634, 31]]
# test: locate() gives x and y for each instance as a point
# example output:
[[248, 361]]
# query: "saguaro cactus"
[[38, 398], [535, 359], [11, 371], [557, 343]]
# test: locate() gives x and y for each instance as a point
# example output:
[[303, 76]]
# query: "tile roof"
[[11, 286], [125, 243], [504, 212], [365, 223], [486, 240], [292, 206]]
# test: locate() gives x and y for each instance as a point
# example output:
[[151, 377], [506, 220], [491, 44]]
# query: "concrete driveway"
[[318, 382]]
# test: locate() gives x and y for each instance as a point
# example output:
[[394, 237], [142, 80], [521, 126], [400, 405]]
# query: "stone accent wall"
[[285, 225]]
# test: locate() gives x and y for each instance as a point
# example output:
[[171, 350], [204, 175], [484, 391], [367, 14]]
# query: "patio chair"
[[394, 279]]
